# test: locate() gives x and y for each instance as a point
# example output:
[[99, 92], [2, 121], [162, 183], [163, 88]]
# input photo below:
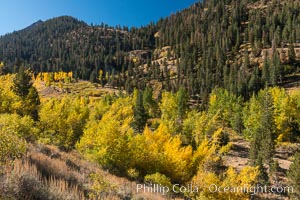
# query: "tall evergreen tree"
[[140, 114], [255, 82], [262, 145], [182, 102], [291, 53], [294, 176], [23, 88], [22, 82], [148, 101], [265, 70], [31, 104], [275, 68]]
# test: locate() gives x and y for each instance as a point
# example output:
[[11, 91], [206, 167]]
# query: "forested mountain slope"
[[65, 43]]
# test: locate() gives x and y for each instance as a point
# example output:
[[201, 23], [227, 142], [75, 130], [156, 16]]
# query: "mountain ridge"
[[33, 24]]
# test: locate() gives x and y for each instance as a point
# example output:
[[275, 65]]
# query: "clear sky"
[[18, 14]]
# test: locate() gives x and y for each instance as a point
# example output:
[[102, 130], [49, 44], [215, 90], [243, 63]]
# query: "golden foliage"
[[231, 185], [168, 107], [11, 146], [62, 120], [285, 114], [101, 187], [52, 77], [23, 127], [159, 152], [158, 178], [9, 101], [106, 140]]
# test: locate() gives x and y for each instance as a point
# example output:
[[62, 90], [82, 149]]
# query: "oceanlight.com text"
[[279, 189]]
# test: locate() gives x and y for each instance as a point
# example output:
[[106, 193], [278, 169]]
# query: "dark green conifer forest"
[[213, 44]]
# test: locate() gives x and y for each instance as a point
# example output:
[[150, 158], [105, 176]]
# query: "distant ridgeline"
[[239, 45]]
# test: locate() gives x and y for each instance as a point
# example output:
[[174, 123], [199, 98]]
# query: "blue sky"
[[18, 14]]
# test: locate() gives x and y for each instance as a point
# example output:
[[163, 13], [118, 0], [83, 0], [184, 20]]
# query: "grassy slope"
[[47, 172]]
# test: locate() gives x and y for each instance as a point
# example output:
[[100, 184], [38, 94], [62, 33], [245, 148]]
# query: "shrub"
[[24, 127], [101, 187], [55, 168], [158, 178], [11, 146], [24, 181]]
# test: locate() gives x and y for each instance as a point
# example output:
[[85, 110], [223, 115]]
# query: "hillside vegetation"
[[198, 98], [154, 140]]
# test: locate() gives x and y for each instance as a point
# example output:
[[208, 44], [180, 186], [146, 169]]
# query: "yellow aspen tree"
[[285, 114]]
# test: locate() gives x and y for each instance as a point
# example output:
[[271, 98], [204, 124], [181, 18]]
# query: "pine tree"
[[22, 83], [262, 145], [265, 70], [254, 83], [275, 69], [263, 177], [246, 60], [291, 53], [23, 88], [140, 115], [148, 100], [32, 103], [182, 102], [278, 68], [294, 176], [267, 125]]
